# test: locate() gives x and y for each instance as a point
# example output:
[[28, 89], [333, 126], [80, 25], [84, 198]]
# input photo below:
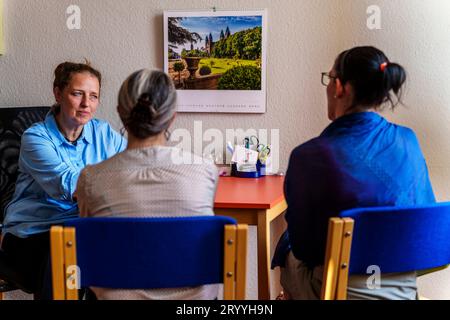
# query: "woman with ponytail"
[[149, 179], [359, 160]]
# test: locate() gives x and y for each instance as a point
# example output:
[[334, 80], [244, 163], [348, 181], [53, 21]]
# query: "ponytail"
[[394, 78], [375, 80]]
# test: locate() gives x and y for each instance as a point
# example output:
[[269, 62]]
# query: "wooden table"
[[254, 202]]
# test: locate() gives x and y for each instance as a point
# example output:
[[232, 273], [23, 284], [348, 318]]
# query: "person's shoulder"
[[99, 124], [187, 158], [87, 176], [195, 159], [111, 166], [205, 162], [406, 131], [37, 133], [116, 162], [37, 128], [102, 128], [319, 146]]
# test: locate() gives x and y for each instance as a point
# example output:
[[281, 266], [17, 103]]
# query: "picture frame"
[[2, 47], [217, 59]]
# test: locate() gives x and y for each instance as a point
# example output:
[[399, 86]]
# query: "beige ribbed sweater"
[[149, 182]]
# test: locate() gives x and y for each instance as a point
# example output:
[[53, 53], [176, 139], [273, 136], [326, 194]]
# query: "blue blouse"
[[49, 167], [359, 160]]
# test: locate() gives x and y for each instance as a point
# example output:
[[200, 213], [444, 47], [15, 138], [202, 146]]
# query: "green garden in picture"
[[226, 57]]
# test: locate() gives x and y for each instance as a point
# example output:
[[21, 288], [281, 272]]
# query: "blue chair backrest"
[[400, 239], [151, 252]]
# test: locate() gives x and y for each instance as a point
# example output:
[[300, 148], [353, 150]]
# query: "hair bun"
[[147, 103], [143, 113], [144, 101]]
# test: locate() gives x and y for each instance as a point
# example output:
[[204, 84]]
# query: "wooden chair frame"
[[337, 259], [65, 277]]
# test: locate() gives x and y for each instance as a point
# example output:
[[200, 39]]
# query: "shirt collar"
[[353, 123], [50, 123], [86, 134]]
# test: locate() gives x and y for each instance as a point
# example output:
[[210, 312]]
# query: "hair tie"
[[383, 66]]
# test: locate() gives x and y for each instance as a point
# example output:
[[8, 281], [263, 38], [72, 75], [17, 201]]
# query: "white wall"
[[304, 37]]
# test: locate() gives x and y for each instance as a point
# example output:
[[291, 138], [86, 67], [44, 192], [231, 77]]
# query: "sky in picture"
[[206, 25]]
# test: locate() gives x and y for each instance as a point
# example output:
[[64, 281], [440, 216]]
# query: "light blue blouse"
[[49, 167]]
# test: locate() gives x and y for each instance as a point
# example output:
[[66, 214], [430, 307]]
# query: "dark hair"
[[64, 72], [372, 76], [147, 103]]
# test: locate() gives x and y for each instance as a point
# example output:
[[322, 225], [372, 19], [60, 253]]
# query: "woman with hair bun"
[[149, 179], [52, 154], [359, 160]]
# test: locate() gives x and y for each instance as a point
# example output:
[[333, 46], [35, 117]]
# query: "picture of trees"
[[215, 52]]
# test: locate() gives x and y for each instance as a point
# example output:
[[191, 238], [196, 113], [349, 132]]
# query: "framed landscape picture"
[[1, 28], [217, 60]]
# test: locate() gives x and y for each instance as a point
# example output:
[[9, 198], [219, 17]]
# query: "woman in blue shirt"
[[359, 160], [52, 154]]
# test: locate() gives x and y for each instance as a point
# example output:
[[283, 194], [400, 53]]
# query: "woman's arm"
[[312, 194], [40, 158]]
